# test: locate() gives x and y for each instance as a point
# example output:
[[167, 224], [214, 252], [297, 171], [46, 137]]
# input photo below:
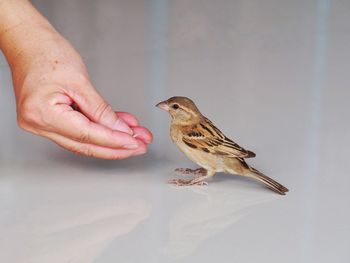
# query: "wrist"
[[28, 45]]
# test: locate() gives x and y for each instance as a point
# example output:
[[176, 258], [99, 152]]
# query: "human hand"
[[56, 99], [47, 92]]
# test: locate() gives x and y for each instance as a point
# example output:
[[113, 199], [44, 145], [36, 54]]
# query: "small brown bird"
[[203, 143]]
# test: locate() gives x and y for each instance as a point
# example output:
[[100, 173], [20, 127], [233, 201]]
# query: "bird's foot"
[[194, 172], [181, 182]]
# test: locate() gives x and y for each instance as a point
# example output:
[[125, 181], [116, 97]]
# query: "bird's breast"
[[175, 134]]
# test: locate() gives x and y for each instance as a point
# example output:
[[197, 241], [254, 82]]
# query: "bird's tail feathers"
[[269, 182]]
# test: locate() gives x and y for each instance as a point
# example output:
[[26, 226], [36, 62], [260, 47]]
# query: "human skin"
[[54, 96]]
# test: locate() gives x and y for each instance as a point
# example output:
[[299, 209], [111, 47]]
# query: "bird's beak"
[[163, 105]]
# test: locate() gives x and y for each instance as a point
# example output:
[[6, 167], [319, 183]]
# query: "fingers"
[[74, 125], [78, 132], [93, 106], [143, 134], [128, 118], [94, 150], [140, 132]]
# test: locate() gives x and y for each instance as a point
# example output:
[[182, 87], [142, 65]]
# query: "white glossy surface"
[[273, 76]]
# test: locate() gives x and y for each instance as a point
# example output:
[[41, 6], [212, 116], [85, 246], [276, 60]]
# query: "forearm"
[[23, 31], [15, 12], [28, 40]]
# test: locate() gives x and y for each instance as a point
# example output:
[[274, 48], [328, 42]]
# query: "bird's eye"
[[175, 106]]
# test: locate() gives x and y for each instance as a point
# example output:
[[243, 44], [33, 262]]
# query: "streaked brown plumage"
[[202, 142]]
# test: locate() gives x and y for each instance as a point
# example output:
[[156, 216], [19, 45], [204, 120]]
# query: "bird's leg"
[[194, 172]]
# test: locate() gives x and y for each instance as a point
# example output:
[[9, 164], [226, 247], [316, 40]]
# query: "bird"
[[203, 143]]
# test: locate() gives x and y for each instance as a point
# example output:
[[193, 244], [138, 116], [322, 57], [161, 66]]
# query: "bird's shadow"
[[237, 180]]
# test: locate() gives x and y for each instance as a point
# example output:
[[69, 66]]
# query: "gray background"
[[273, 75]]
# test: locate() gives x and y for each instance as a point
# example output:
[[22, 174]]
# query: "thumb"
[[95, 108]]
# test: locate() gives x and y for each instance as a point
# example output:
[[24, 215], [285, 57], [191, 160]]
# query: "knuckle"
[[84, 136], [28, 112], [102, 110], [89, 152], [84, 150]]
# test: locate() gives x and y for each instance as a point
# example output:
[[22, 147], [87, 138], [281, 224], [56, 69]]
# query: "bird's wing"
[[206, 137]]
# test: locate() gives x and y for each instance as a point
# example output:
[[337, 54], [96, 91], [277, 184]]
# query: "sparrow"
[[203, 143]]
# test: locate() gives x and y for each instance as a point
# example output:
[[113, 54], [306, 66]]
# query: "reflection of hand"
[[51, 82], [79, 232]]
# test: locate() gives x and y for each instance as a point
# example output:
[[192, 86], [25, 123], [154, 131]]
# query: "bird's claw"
[[201, 183], [181, 182]]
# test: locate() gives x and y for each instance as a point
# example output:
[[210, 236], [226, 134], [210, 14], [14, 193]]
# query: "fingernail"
[[140, 152], [120, 125], [130, 146]]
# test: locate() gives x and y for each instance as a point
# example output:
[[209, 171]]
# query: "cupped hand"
[[56, 99]]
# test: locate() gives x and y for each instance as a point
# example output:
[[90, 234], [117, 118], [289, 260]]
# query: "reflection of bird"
[[203, 143], [204, 214]]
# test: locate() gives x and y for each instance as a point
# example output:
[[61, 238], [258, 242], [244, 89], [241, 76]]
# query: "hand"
[[55, 98], [47, 91]]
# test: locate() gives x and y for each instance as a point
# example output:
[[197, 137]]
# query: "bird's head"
[[182, 110]]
